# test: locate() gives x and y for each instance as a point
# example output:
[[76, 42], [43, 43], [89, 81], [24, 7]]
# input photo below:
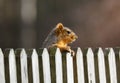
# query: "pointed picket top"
[[23, 53], [91, 67], [45, 52], [89, 52], [34, 54], [79, 51], [2, 71], [100, 51], [58, 62], [24, 68], [35, 67], [70, 75], [101, 65], [111, 52], [12, 67], [80, 66], [11, 53], [58, 52], [46, 66], [112, 66], [1, 53]]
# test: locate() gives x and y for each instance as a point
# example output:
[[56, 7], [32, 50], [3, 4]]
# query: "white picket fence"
[[41, 66]]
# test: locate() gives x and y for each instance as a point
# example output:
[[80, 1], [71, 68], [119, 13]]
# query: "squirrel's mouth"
[[74, 38]]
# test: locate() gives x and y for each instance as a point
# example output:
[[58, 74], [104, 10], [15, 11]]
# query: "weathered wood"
[[80, 67], [35, 67], [91, 67], [29, 64], [41, 76], [112, 66], [24, 68], [101, 65], [52, 66], [64, 66], [12, 67], [70, 74], [18, 65], [2, 70], [59, 71], [6, 62], [46, 66]]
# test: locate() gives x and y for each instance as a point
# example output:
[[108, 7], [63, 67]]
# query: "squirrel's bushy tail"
[[51, 38]]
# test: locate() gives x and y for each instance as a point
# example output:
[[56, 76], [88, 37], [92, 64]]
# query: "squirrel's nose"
[[76, 37]]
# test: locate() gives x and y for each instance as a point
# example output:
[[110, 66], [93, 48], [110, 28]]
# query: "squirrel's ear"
[[59, 28]]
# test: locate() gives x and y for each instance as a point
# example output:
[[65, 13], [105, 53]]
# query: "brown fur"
[[63, 37]]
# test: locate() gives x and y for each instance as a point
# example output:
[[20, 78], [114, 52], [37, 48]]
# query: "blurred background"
[[26, 23]]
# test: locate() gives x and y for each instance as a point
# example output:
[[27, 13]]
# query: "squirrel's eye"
[[68, 32]]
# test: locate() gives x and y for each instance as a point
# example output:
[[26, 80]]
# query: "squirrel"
[[60, 37]]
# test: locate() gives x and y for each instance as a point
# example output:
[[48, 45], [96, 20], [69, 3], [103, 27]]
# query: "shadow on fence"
[[40, 66]]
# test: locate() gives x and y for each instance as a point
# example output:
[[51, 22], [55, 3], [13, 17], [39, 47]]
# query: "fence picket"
[[70, 76], [101, 66], [58, 62], [80, 66], [12, 67], [24, 69], [46, 66], [35, 67], [90, 64], [112, 66], [2, 71]]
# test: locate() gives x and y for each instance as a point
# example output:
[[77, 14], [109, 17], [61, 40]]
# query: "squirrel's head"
[[65, 34]]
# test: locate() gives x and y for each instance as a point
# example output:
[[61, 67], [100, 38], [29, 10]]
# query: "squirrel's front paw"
[[72, 52]]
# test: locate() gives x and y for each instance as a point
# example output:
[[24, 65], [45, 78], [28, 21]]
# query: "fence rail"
[[40, 66]]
